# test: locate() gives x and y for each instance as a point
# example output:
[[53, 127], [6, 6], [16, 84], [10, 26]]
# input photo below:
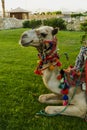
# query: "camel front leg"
[[71, 110], [50, 98]]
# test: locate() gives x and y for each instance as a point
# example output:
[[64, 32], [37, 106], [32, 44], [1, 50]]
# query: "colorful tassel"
[[38, 72], [65, 91], [62, 86], [65, 100], [58, 64], [65, 97], [62, 80], [59, 77], [51, 67]]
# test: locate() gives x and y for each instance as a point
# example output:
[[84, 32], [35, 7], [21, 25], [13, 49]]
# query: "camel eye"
[[43, 35]]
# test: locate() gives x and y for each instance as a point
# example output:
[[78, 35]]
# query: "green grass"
[[20, 87]]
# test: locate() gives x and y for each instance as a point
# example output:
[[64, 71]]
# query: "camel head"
[[35, 37]]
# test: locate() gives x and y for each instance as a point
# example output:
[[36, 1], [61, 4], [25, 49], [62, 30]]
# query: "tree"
[[3, 7], [58, 12], [84, 28], [76, 15]]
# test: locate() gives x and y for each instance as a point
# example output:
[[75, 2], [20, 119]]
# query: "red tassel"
[[38, 72], [59, 77], [65, 91], [65, 102], [58, 64]]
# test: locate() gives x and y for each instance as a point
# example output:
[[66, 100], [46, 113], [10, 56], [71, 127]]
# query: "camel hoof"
[[48, 110], [42, 99]]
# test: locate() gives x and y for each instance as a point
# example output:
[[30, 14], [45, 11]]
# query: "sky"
[[33, 5]]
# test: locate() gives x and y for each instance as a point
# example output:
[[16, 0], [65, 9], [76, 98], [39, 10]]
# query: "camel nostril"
[[22, 41], [24, 36]]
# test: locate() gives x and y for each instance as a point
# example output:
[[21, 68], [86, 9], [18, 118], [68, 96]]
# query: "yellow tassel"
[[51, 67]]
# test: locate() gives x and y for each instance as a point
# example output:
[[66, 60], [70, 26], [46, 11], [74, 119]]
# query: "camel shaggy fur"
[[38, 38]]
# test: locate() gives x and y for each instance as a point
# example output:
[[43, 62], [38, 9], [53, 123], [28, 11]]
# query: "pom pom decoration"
[[58, 64], [59, 77], [65, 91], [62, 86], [38, 72], [65, 97], [51, 67], [65, 100], [62, 80]]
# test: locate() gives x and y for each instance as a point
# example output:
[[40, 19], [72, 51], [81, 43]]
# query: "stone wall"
[[9, 23], [74, 25]]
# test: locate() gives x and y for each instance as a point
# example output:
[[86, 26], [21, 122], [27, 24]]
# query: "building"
[[19, 13]]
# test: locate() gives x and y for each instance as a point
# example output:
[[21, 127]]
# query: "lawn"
[[20, 87]]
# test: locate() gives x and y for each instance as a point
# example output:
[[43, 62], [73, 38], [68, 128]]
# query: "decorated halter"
[[48, 56], [51, 57]]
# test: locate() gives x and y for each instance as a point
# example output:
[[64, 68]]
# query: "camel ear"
[[55, 31], [37, 32]]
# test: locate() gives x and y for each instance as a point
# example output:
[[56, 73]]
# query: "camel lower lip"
[[27, 44]]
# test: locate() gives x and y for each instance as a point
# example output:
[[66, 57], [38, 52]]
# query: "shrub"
[[32, 24], [84, 26], [35, 23], [55, 22], [76, 15], [26, 24]]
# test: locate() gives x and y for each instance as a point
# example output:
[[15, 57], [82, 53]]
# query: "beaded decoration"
[[64, 86]]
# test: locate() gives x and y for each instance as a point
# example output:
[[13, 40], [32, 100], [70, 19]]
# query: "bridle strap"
[[52, 47], [48, 55]]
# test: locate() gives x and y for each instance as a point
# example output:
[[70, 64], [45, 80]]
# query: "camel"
[[56, 80]]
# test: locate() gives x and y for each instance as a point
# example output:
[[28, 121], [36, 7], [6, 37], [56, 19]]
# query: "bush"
[[76, 15], [84, 26], [55, 22], [32, 24], [35, 23], [26, 24]]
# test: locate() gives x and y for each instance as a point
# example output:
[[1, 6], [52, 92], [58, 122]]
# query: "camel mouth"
[[27, 43]]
